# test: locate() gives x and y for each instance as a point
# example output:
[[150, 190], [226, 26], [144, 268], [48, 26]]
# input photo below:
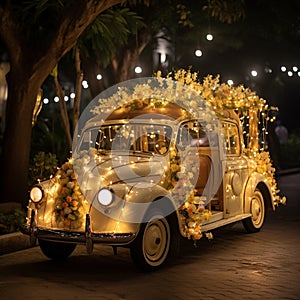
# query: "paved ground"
[[234, 265]]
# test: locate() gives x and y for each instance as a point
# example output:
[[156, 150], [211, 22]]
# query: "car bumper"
[[80, 237], [84, 237]]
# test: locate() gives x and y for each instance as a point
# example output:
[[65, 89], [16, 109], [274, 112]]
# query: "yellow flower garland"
[[69, 199]]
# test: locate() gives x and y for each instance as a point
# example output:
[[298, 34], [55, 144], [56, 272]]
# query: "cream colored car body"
[[118, 224]]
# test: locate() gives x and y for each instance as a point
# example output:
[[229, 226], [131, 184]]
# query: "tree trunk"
[[63, 112], [91, 70], [124, 62], [30, 66], [123, 68], [17, 138], [78, 88]]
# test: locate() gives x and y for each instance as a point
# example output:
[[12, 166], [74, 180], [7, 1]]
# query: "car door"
[[235, 170]]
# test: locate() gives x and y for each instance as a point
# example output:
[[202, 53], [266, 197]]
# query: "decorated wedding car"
[[154, 162]]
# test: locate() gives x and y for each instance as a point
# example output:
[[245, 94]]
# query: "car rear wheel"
[[155, 243], [258, 213], [55, 250]]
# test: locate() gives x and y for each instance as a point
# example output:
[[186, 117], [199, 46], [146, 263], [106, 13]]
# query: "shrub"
[[11, 221], [290, 151]]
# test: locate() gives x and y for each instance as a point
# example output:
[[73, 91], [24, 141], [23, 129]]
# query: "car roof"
[[169, 112]]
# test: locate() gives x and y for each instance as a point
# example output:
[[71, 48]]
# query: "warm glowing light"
[[198, 53], [268, 70], [254, 73], [230, 82], [72, 95], [283, 68], [163, 57], [105, 197], [209, 37], [138, 70], [85, 84], [36, 194], [45, 100]]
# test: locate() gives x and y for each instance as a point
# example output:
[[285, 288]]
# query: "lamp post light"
[[163, 57]]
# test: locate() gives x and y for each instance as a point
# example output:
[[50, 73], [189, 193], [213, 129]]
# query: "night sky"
[[265, 40]]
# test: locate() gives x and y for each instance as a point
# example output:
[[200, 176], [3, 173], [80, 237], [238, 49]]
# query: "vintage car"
[[148, 178]]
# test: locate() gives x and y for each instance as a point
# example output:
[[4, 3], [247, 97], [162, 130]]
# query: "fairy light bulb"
[[209, 37], [138, 70], [198, 53]]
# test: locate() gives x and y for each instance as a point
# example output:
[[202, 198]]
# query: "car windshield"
[[148, 138]]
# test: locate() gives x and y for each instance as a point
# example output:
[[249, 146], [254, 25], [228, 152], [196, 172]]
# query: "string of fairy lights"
[[289, 71]]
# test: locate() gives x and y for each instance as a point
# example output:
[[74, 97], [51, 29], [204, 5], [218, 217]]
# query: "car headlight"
[[36, 194], [105, 196]]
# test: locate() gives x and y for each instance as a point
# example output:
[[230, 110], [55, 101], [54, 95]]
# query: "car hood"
[[123, 168]]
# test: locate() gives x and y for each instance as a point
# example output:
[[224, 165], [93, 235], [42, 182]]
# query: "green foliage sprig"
[[42, 167]]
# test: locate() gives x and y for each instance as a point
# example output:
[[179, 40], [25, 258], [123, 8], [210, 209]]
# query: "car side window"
[[232, 138], [88, 139], [192, 134]]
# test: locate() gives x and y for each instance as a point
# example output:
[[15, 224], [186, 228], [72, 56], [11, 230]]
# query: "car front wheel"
[[55, 250], [154, 243]]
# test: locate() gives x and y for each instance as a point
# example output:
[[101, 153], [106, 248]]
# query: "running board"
[[213, 225]]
